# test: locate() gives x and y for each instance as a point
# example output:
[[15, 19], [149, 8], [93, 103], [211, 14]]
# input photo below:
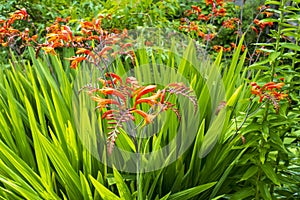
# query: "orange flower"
[[217, 48], [269, 91], [280, 96], [104, 50], [17, 15], [228, 24], [220, 2], [102, 103], [272, 85], [209, 36], [115, 77], [147, 117], [66, 31], [256, 21], [49, 49], [262, 25], [201, 34], [188, 12], [87, 25], [254, 29], [34, 38], [204, 17], [83, 50], [233, 45], [124, 46], [86, 52], [112, 91], [255, 91], [52, 37], [196, 8], [149, 100], [143, 90], [268, 14], [222, 12], [209, 2], [4, 44], [243, 48], [193, 26], [228, 49], [75, 61], [79, 39]]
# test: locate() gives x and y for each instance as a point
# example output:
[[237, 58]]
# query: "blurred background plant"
[[255, 156], [271, 164]]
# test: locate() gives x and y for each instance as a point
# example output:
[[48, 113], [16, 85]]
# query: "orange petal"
[[150, 100], [114, 76], [75, 61], [103, 102], [104, 50], [108, 113], [49, 50], [145, 90], [112, 91], [147, 117]]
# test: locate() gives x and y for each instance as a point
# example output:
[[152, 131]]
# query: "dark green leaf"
[[269, 171]]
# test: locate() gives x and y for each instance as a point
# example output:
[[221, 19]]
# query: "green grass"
[[45, 156]]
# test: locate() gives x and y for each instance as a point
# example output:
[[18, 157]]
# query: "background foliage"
[[255, 157]]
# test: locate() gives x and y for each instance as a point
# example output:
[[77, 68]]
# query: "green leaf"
[[226, 173], [20, 167], [85, 188], [232, 101], [63, 167], [265, 130], [219, 197], [125, 142], [273, 2], [234, 62], [273, 56], [291, 46], [25, 193], [277, 140], [121, 185], [243, 193], [259, 65], [165, 197], [264, 191], [105, 193], [269, 171], [191, 192], [262, 155], [264, 44], [269, 20], [41, 157], [289, 29], [249, 173]]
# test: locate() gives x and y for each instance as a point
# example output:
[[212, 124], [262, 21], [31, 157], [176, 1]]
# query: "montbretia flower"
[[148, 118], [128, 97], [76, 60], [102, 103], [152, 100], [271, 91], [49, 49], [197, 9]]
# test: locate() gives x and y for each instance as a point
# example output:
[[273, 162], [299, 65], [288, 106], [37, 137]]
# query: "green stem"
[[277, 44], [276, 170], [266, 112], [138, 167], [257, 183]]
